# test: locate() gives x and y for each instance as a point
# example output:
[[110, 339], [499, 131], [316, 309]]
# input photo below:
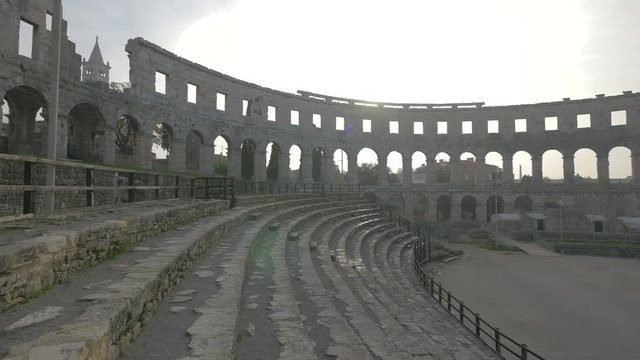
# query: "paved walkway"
[[528, 247]]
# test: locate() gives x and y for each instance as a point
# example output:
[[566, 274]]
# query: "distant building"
[[95, 70]]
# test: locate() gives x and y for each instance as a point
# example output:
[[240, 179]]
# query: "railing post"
[[461, 311], [431, 286], [177, 189], [27, 197], [233, 192], [496, 332], [440, 293], [131, 177], [156, 191], [477, 325], [449, 301], [523, 351], [90, 193]]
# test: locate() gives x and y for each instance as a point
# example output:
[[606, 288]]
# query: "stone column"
[[383, 178], [456, 208], [603, 169], [260, 164], [283, 166], [109, 145], [177, 156], [326, 172], [306, 166], [635, 166], [407, 171], [143, 156], [568, 169], [206, 166], [507, 170], [536, 168], [352, 175], [234, 164], [63, 136]]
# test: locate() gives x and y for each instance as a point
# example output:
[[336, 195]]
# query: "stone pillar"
[[234, 163], [603, 169], [63, 137], [206, 166], [142, 150], [306, 166], [283, 166], [568, 169], [352, 175], [176, 157], [635, 166], [383, 178], [260, 164], [109, 145], [481, 211], [407, 171], [536, 168], [456, 208], [507, 170]]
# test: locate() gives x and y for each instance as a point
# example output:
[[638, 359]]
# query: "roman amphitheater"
[[183, 227]]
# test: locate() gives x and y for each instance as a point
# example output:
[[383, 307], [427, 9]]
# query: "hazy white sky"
[[496, 51]]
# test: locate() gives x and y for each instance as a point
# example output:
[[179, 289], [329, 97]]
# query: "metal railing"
[[492, 336], [247, 187]]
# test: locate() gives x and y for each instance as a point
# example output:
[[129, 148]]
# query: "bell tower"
[[95, 70]]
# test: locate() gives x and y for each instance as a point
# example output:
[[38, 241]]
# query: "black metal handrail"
[[492, 336]]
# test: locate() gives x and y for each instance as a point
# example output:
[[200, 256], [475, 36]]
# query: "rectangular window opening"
[[467, 127], [161, 83], [418, 128], [25, 40], [493, 126], [619, 117], [49, 21], [221, 101], [551, 123], [583, 121], [317, 120], [245, 107], [442, 127], [295, 117], [394, 127], [520, 125], [192, 93], [366, 126], [339, 123], [271, 113]]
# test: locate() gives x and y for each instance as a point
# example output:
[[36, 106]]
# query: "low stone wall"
[[29, 266]]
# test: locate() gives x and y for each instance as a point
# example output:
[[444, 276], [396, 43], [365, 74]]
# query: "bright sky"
[[496, 51]]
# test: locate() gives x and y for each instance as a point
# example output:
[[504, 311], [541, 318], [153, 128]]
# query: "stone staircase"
[[277, 277]]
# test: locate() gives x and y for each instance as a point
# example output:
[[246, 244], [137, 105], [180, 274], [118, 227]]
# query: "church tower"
[[95, 70]]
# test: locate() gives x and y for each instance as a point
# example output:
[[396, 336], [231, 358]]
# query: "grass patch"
[[119, 250], [29, 297]]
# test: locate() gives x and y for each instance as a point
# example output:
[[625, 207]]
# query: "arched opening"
[[192, 151], [317, 160], [295, 156], [552, 165], [23, 121], [394, 166], [523, 203], [493, 165], [495, 205], [620, 164], [126, 131], [221, 155], [466, 169], [247, 159], [85, 130], [443, 168], [162, 141], [468, 206], [340, 165], [522, 166], [419, 208], [419, 167], [585, 166], [367, 167], [273, 161], [443, 208], [467, 156]]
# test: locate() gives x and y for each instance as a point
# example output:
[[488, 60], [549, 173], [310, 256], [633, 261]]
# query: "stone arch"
[[248, 151], [273, 152], [126, 135], [85, 131], [317, 163], [367, 160], [468, 206], [295, 158], [522, 165], [443, 168], [552, 165], [419, 208], [193, 145], [495, 205], [394, 158], [419, 167], [162, 141], [467, 156], [221, 145], [26, 111], [585, 165], [494, 158], [443, 208], [620, 163], [340, 165], [523, 203]]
